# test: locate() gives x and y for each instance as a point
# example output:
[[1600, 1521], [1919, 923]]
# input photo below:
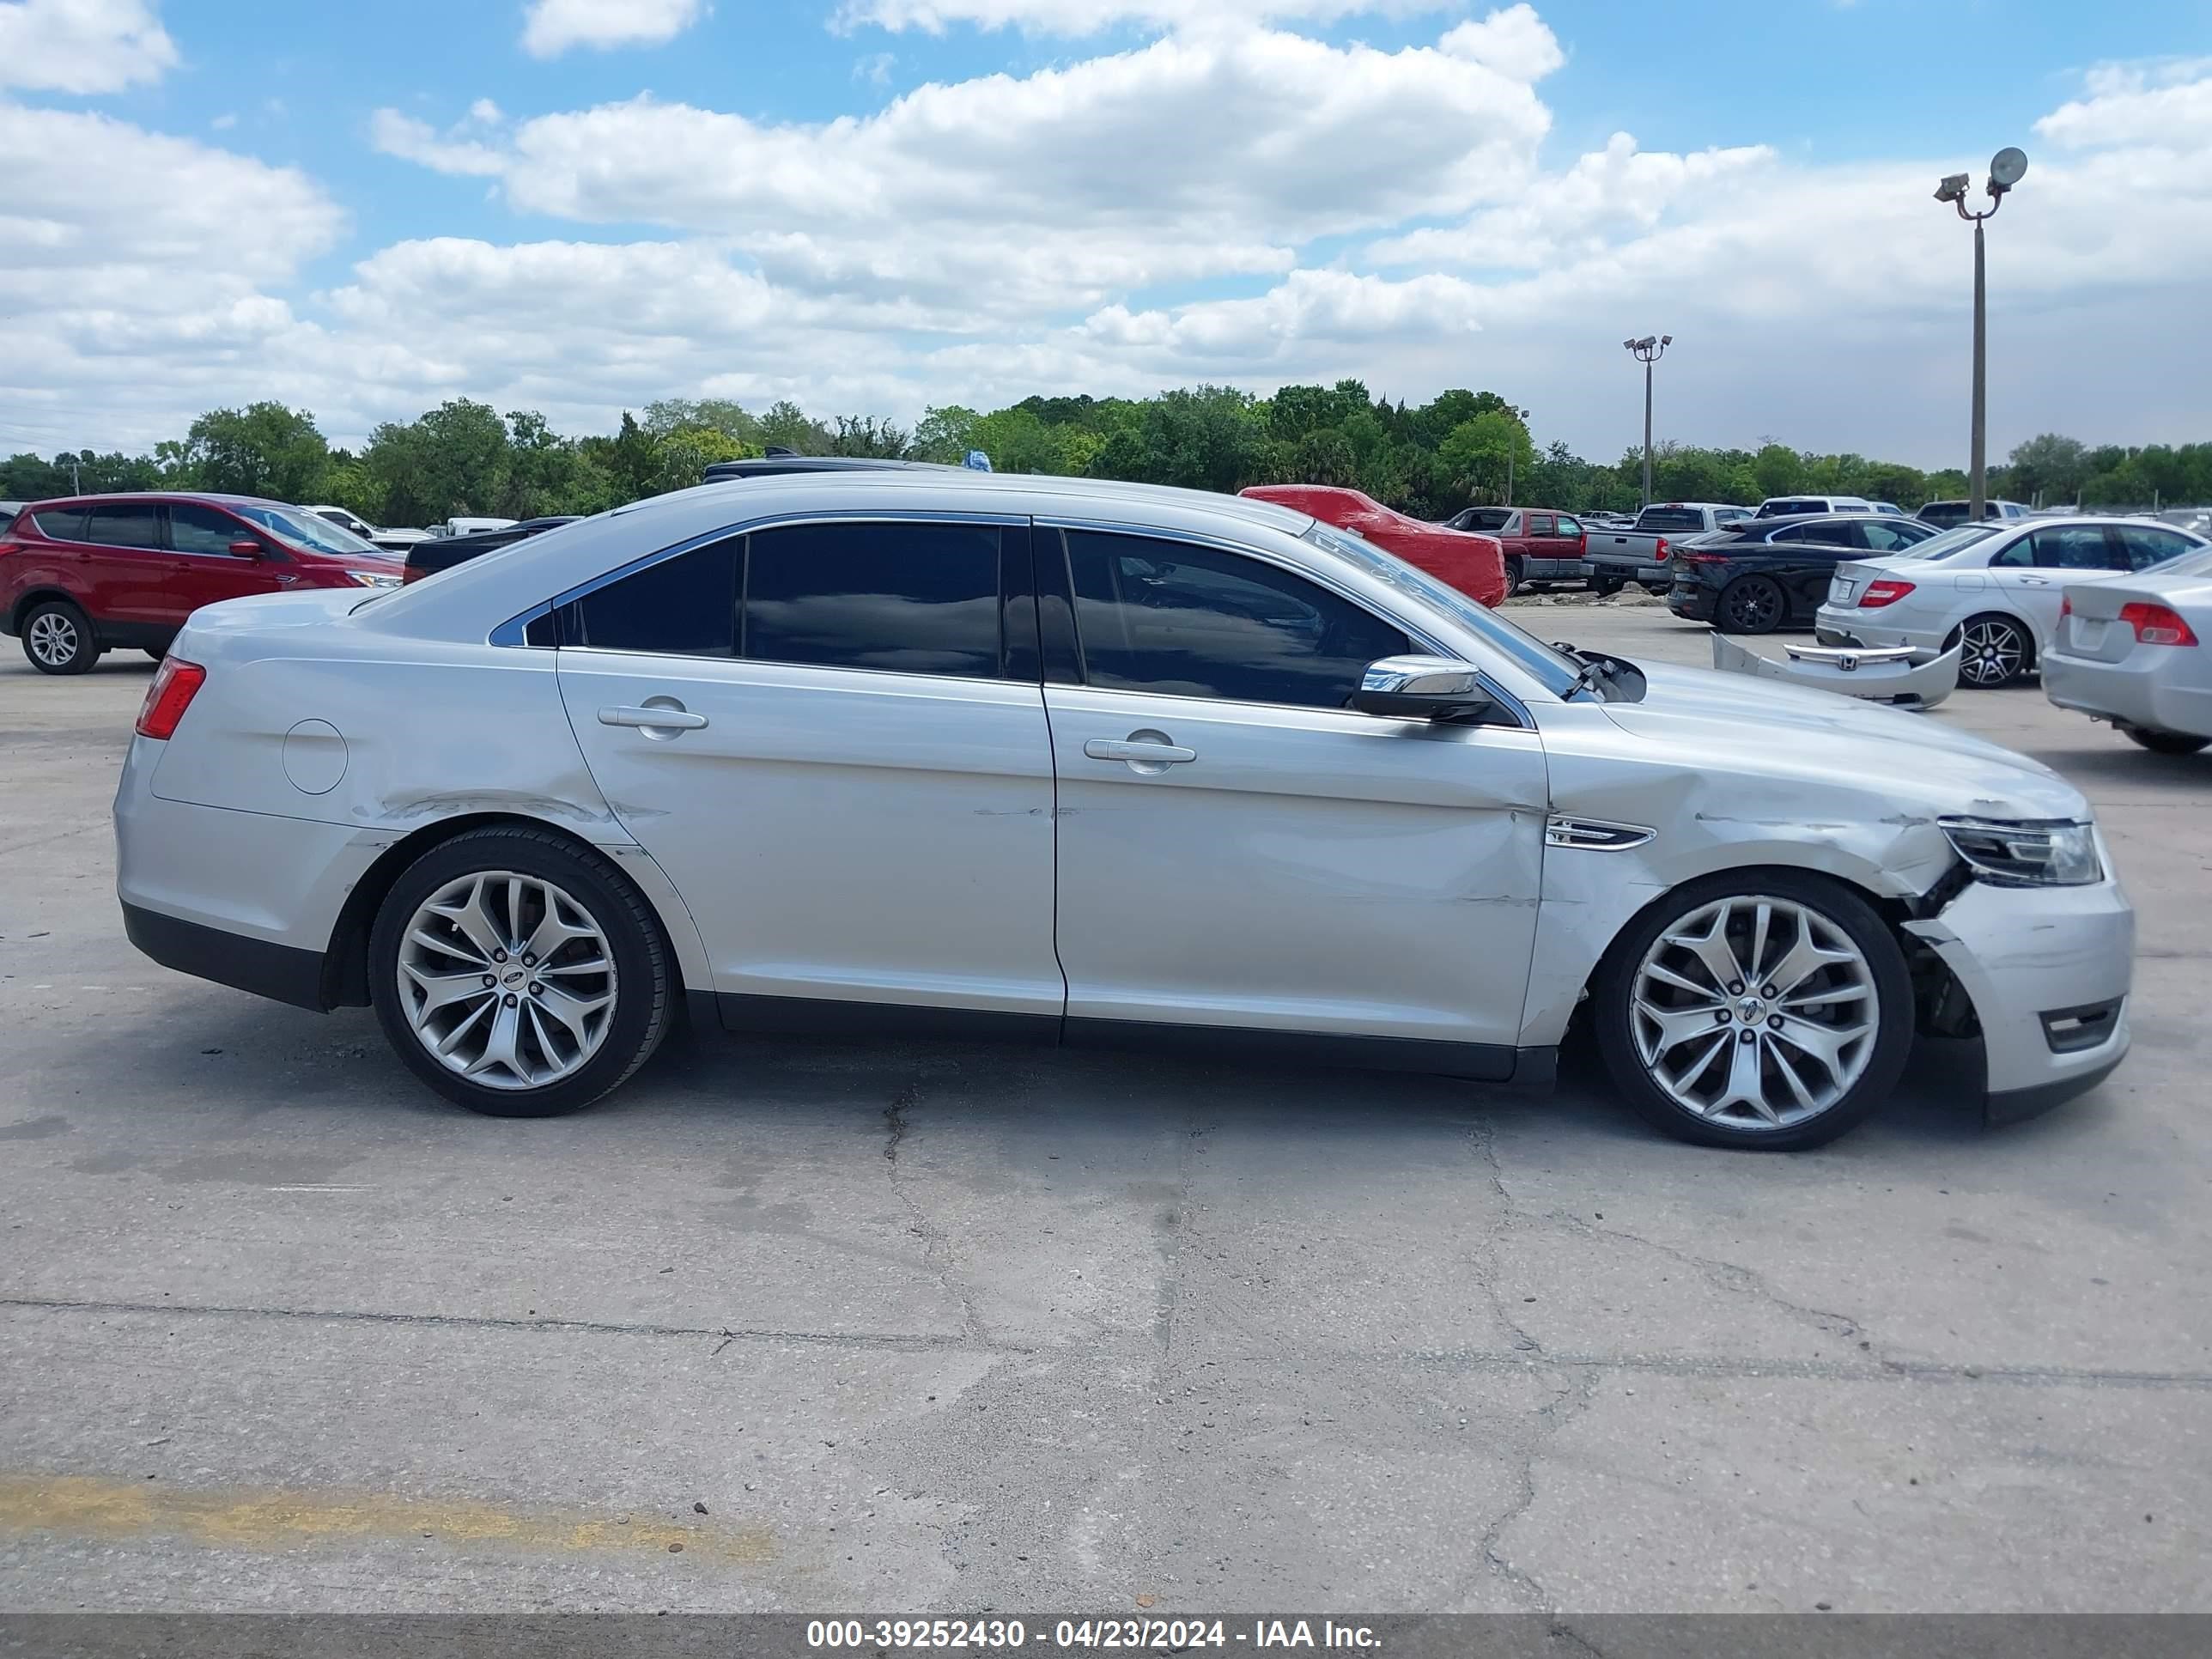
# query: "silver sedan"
[[1069, 762], [2137, 653]]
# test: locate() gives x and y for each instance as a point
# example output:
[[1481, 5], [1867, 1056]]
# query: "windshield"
[[307, 530], [1956, 539], [1557, 671]]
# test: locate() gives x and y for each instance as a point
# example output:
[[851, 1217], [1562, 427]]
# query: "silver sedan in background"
[[2137, 653]]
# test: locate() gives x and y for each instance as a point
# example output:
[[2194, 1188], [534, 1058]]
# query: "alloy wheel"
[[1991, 652], [1754, 1013], [53, 638], [505, 980]]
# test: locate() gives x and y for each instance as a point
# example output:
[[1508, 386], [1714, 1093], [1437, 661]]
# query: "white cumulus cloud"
[[551, 28], [82, 46]]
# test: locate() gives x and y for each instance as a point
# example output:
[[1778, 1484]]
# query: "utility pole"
[[1647, 351], [2007, 167]]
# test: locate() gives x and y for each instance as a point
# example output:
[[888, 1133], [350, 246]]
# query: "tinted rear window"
[[1785, 509], [684, 606], [65, 524], [1671, 518], [909, 599]]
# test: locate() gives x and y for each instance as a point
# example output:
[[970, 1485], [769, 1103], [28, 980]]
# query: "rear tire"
[[59, 638], [1605, 587], [1750, 604], [507, 891], [1998, 651], [1515, 574], [1681, 1080], [2165, 743]]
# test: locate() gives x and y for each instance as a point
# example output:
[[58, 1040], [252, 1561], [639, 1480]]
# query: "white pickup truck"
[[1617, 558]]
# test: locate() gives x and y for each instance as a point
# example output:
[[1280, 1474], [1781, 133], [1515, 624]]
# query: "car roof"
[[215, 495], [474, 598]]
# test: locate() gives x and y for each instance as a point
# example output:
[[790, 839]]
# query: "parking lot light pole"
[[2007, 167], [1647, 351]]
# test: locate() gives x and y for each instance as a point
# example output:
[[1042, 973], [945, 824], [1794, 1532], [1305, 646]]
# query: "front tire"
[[2165, 743], [59, 638], [517, 974], [1694, 1041]]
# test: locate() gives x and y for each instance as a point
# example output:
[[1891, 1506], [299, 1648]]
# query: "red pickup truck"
[[1541, 544]]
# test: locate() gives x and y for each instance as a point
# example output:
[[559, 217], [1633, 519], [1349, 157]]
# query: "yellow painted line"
[[84, 1506]]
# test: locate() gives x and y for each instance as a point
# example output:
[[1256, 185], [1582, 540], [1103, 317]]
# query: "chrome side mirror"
[[1424, 688]]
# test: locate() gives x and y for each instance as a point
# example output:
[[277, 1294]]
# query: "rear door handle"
[[656, 716]]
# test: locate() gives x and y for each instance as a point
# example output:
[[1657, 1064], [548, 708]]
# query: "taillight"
[[412, 573], [2065, 607], [2157, 624], [1705, 558], [1880, 593], [1663, 550], [176, 682]]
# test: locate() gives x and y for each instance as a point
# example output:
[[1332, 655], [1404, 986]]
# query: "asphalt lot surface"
[[954, 1328]]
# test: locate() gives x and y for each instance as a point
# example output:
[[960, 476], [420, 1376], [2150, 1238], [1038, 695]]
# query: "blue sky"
[[878, 205]]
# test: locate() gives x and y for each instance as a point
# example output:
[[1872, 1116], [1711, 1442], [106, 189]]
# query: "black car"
[[427, 558], [1766, 574]]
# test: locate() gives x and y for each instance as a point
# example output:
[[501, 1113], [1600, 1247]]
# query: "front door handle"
[[660, 717], [1147, 752]]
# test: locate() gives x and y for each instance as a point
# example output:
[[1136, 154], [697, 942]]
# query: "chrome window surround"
[[511, 633]]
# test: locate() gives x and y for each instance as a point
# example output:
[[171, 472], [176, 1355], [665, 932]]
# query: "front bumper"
[[2126, 693], [2048, 970]]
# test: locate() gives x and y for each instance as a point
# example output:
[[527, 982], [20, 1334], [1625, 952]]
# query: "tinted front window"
[[1195, 622], [685, 606], [1889, 536], [136, 525], [203, 530], [911, 598]]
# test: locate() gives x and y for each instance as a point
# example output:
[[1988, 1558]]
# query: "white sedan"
[[2134, 653], [1993, 588]]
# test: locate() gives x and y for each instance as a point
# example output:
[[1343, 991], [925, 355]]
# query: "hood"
[[1730, 722]]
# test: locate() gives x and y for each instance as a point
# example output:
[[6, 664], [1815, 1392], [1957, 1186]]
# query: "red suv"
[[1474, 564], [99, 572]]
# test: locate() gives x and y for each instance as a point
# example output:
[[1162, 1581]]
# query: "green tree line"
[[1429, 459]]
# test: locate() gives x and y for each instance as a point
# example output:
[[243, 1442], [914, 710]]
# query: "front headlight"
[[374, 578], [2040, 854]]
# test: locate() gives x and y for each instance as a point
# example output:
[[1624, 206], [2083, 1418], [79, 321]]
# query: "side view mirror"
[[1424, 688], [246, 547]]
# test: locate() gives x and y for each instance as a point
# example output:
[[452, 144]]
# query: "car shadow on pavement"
[[244, 1060]]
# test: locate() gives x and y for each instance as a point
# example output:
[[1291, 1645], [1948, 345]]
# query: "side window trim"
[[511, 632]]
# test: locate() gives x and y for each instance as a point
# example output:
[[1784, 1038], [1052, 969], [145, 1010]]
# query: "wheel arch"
[[34, 597], [345, 959]]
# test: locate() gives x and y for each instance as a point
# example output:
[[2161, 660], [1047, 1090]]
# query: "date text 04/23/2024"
[[1086, 1635]]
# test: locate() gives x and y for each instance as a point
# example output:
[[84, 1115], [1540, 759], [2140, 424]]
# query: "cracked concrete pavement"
[[957, 1328]]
